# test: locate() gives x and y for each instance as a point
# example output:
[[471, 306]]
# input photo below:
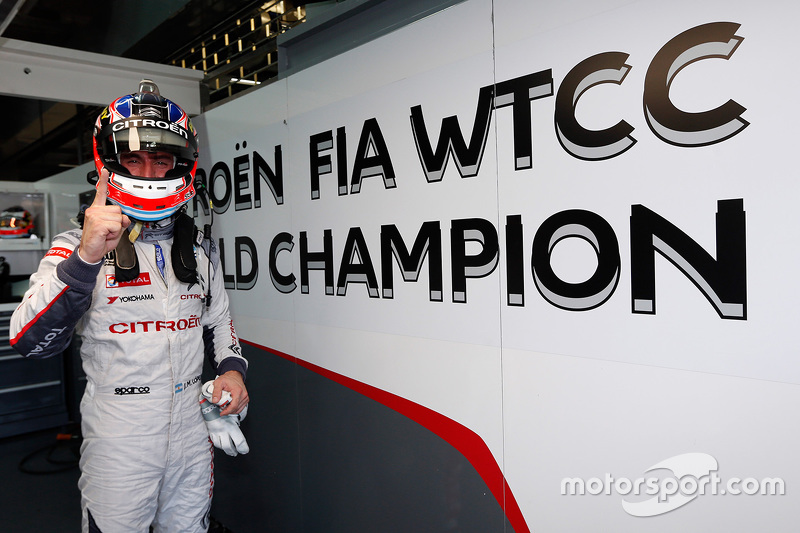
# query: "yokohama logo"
[[131, 298], [111, 281]]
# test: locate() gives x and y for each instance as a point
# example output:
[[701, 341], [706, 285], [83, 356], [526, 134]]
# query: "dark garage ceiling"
[[42, 138]]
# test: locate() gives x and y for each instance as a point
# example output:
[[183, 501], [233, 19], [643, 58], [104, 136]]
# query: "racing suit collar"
[[158, 230]]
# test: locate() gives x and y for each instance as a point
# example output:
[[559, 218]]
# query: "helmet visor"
[[149, 140]]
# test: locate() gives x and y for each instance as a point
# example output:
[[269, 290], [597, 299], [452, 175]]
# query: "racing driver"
[[142, 287]]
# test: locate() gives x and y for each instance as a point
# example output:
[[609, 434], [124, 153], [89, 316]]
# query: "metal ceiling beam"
[[8, 12], [32, 70]]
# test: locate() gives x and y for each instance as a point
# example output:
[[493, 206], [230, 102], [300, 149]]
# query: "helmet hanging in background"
[[146, 122], [16, 222]]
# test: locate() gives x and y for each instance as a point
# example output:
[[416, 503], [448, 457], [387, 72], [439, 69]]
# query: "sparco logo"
[[131, 298], [132, 390]]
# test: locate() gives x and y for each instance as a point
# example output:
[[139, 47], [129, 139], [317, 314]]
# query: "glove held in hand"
[[224, 431]]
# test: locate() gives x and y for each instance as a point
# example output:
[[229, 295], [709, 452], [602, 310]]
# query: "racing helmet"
[[146, 121], [16, 222]]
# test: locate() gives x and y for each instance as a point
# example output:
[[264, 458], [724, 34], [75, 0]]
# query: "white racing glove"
[[223, 430]]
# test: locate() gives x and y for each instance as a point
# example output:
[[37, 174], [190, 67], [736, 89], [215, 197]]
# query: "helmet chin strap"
[[134, 232], [126, 265], [184, 237]]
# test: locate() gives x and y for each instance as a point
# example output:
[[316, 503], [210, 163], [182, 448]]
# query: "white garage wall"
[[601, 393]]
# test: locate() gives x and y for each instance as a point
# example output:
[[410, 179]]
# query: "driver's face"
[[147, 164]]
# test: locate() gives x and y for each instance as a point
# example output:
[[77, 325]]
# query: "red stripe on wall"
[[466, 441]]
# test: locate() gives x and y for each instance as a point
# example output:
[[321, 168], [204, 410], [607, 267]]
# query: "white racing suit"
[[146, 457]]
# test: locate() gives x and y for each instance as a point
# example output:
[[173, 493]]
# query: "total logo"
[[131, 298], [112, 283], [60, 252]]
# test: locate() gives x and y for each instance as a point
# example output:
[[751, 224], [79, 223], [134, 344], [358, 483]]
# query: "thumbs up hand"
[[103, 225]]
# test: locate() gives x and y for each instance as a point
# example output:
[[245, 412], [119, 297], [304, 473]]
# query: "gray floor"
[[46, 501], [40, 492]]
